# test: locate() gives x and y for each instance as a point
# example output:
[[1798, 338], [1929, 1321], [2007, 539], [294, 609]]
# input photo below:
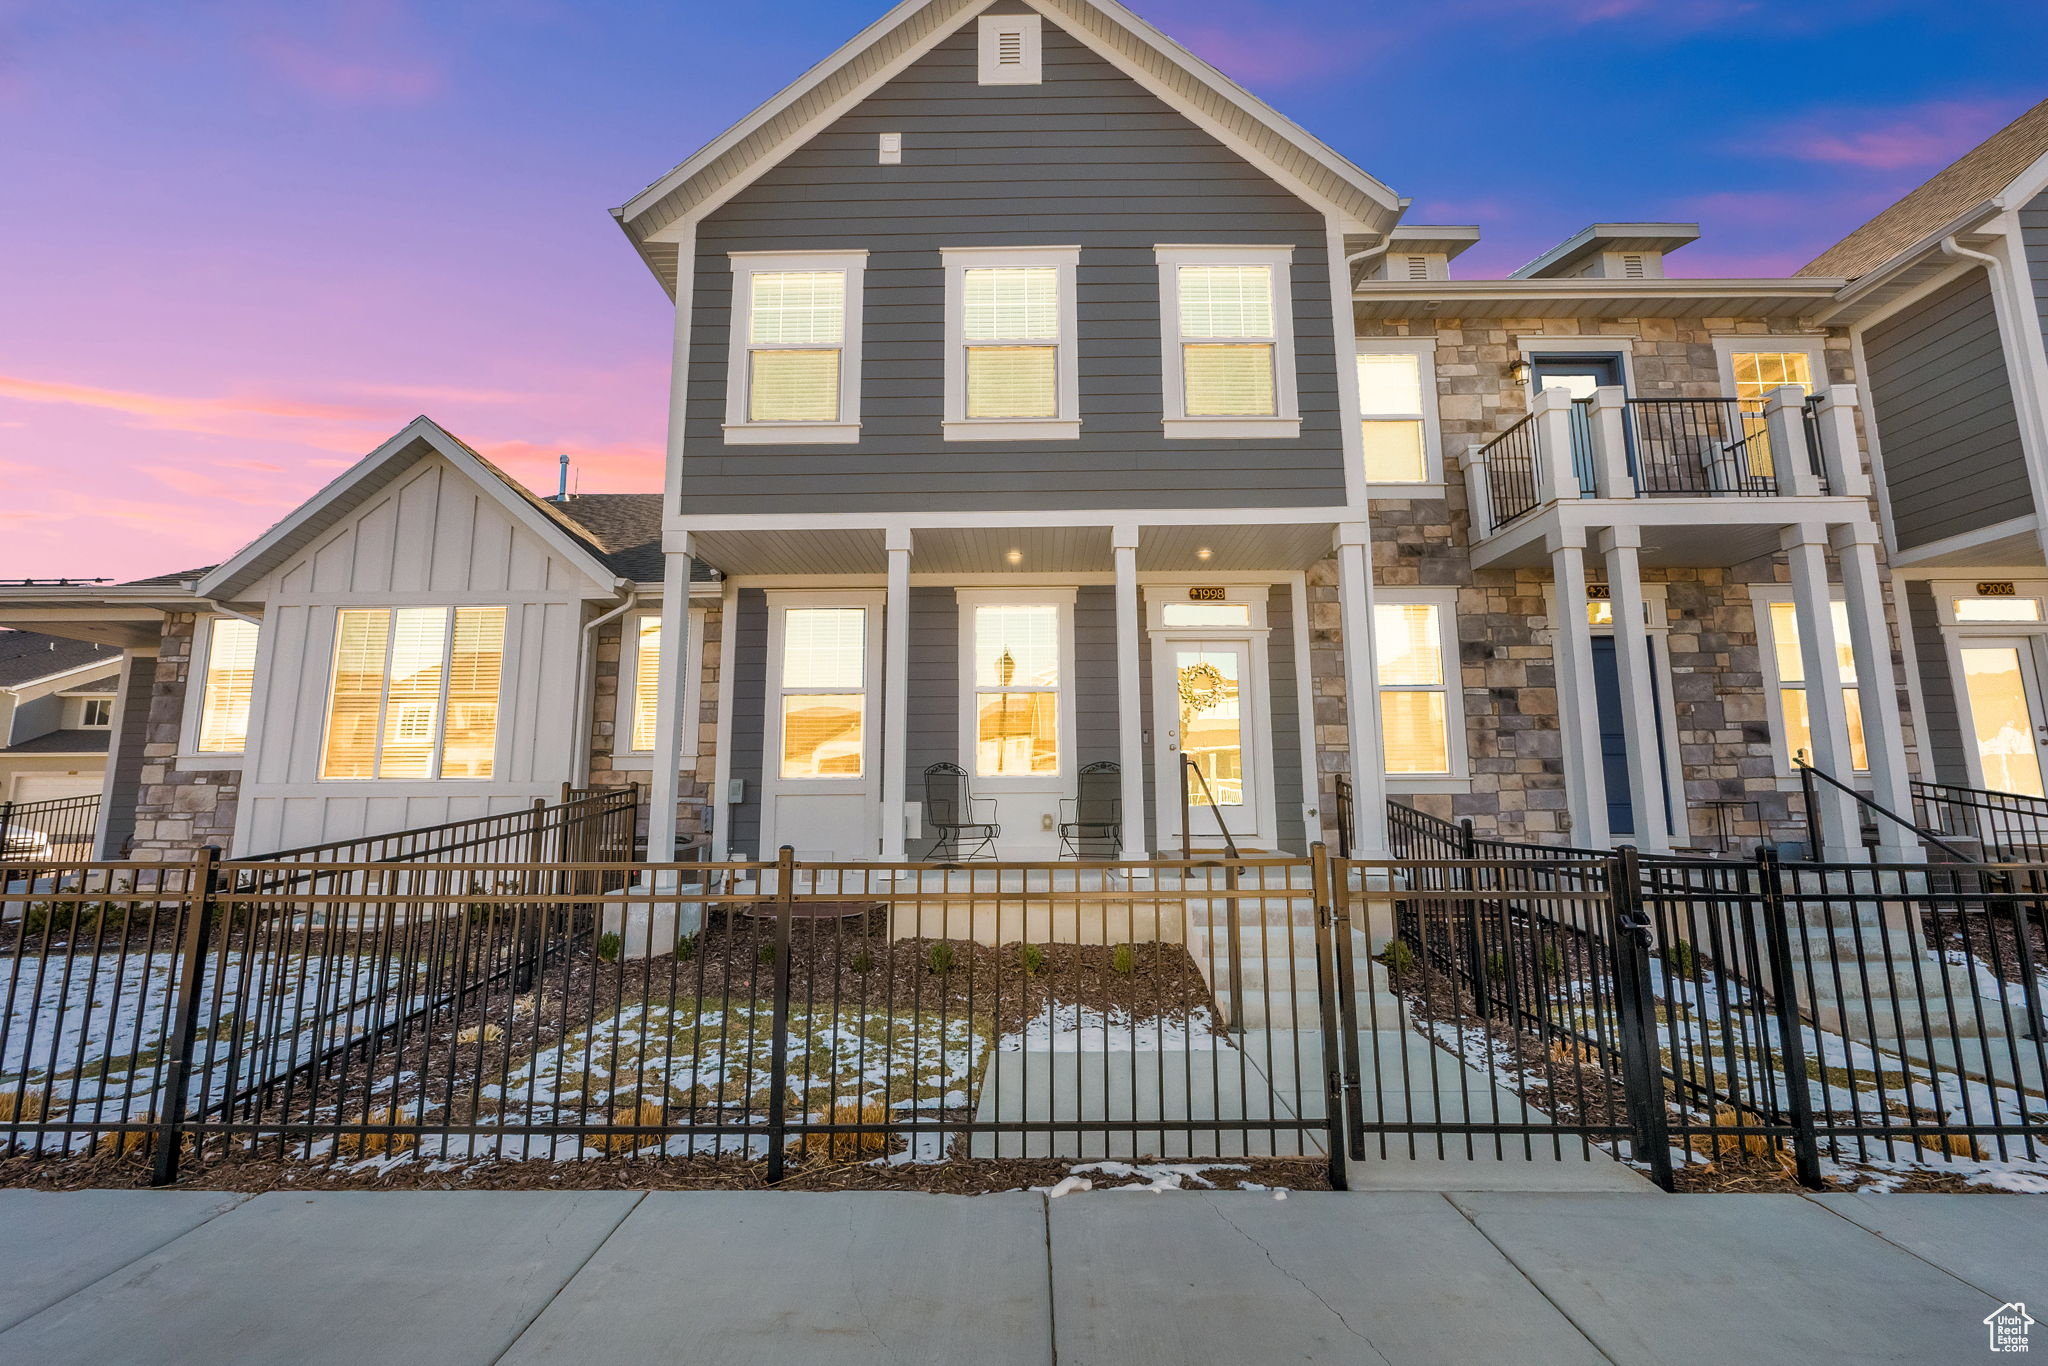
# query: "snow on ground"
[[1068, 1028]]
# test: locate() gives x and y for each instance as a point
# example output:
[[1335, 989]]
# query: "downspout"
[[586, 683], [2033, 430], [1357, 262]]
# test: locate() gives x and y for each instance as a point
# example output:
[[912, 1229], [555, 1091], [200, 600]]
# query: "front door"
[[1578, 375], [1621, 812], [2003, 689], [1209, 710]]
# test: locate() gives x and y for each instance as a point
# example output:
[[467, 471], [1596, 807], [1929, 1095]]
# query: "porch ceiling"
[[1031, 550]]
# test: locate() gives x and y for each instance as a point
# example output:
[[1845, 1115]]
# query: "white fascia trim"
[[967, 518], [845, 430], [1178, 424], [957, 426], [1964, 540], [1445, 600], [1424, 350], [626, 701]]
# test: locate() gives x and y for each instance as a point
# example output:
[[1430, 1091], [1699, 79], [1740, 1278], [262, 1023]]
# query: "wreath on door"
[[1202, 688]]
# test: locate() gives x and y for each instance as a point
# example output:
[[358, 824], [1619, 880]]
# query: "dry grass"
[[23, 1107], [1955, 1145], [1761, 1147], [372, 1144], [645, 1114], [127, 1143], [483, 1033], [1573, 1052], [849, 1145]]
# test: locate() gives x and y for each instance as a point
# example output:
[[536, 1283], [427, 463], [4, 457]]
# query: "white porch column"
[[1806, 550], [896, 695], [1877, 686], [1791, 460], [1840, 459], [1130, 720], [1621, 548], [1361, 692], [1557, 477], [1609, 423], [665, 784], [1571, 652]]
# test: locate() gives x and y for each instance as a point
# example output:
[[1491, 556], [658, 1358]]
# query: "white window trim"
[[1061, 598], [1173, 387], [870, 777], [1459, 777], [628, 700], [1946, 591], [84, 707], [1812, 344], [960, 427], [1031, 71], [189, 756], [1424, 350], [1762, 599], [1957, 634], [738, 430], [431, 782], [1162, 594]]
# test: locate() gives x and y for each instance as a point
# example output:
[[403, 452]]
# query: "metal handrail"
[[1807, 774], [1186, 850]]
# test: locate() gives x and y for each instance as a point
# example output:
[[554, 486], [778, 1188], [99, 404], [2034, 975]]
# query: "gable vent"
[[1010, 49], [1418, 267], [1632, 266]]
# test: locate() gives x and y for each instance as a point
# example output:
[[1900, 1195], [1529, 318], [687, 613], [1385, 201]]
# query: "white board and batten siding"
[[432, 538]]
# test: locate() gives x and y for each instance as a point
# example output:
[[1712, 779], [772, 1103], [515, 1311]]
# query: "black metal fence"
[[457, 1011], [2004, 827], [1511, 472], [62, 828]]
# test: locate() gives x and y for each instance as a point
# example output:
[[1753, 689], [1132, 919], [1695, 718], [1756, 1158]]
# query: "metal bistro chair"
[[951, 809], [1094, 815]]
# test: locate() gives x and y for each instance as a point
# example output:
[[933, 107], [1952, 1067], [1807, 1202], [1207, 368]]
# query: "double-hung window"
[[1420, 728], [227, 683], [1227, 329], [1397, 409], [1015, 678], [1793, 681], [414, 693], [824, 692], [1756, 367], [794, 362], [1011, 367], [640, 663]]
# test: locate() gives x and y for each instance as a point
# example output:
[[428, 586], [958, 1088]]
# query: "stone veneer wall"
[[178, 810], [1504, 634], [693, 802]]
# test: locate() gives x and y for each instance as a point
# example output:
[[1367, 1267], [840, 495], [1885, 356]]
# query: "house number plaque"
[[1208, 594], [1995, 588]]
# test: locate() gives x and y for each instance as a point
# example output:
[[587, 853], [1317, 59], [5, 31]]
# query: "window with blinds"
[[646, 681], [824, 692], [227, 686], [1011, 325], [796, 332], [1794, 711], [1016, 689], [414, 693], [1227, 339], [1414, 697], [1390, 398]]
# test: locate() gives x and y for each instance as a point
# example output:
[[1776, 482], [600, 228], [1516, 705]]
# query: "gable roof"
[[30, 656], [626, 529], [1965, 183], [360, 482], [878, 52]]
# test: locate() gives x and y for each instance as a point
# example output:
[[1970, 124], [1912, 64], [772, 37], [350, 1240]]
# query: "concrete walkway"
[[1116, 1278]]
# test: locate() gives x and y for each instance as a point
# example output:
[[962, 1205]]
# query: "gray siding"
[[38, 717], [1941, 725], [1095, 728], [130, 740], [2034, 238], [1087, 158], [1945, 418], [1285, 709], [749, 704], [934, 729]]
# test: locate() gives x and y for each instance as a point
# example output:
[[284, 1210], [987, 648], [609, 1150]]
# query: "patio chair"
[[1093, 818], [952, 810]]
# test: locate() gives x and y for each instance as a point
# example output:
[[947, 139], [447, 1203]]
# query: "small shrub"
[[23, 1107], [371, 1144], [608, 946], [1398, 957], [1553, 960], [62, 918], [644, 1114], [1682, 957], [767, 953], [941, 957], [848, 1145], [1497, 965], [862, 961], [1123, 959], [686, 947], [1031, 957]]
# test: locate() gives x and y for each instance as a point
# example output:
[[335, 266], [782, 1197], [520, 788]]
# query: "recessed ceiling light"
[[1203, 553], [1015, 557]]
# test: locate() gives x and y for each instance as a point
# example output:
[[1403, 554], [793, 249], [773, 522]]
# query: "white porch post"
[[1572, 655], [896, 695], [1130, 738], [1557, 477], [1621, 548], [665, 784], [1611, 478], [1806, 550], [1791, 461], [1840, 459], [1876, 686], [1361, 692]]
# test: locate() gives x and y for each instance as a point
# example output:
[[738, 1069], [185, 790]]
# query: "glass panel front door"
[[2005, 714], [1209, 681]]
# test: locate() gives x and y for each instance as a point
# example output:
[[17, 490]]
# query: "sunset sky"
[[241, 243]]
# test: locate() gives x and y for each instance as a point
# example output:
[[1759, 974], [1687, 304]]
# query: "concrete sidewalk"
[[1108, 1277]]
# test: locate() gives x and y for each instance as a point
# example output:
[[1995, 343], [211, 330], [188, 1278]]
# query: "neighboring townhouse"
[[1946, 311], [56, 716], [1044, 402]]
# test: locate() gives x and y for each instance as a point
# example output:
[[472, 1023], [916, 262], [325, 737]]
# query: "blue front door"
[[1621, 814], [1580, 375]]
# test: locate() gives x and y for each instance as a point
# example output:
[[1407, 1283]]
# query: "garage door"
[[48, 787]]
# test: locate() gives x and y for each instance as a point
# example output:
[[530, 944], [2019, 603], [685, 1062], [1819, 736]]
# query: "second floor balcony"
[[1706, 468]]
